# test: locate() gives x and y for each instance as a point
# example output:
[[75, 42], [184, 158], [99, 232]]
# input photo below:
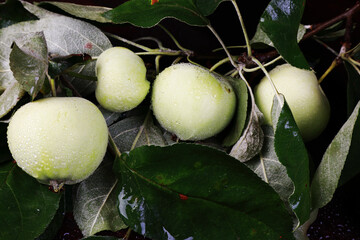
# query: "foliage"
[[248, 182]]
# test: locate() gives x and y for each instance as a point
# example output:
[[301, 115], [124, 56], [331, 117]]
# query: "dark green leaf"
[[189, 191], [339, 163], [29, 63], [143, 14], [95, 201], [280, 21], [12, 11], [353, 87], [291, 152], [239, 120], [26, 206], [56, 223]]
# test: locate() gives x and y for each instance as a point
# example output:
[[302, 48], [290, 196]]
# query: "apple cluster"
[[62, 140]]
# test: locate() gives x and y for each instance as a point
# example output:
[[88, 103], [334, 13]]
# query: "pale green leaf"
[[328, 173]]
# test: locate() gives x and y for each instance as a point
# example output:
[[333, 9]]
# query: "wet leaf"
[[211, 196], [280, 21], [239, 120], [28, 62], [292, 153], [95, 202], [261, 37], [93, 13], [339, 163], [31, 204], [144, 14]]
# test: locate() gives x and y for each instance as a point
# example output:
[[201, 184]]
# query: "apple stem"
[[248, 46], [56, 186], [268, 77]]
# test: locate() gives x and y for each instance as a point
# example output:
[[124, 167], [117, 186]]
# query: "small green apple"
[[58, 140], [307, 101], [122, 83], [192, 102]]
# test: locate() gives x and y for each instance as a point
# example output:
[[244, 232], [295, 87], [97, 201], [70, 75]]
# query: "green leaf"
[[29, 63], [143, 14], [12, 11], [239, 120], [189, 191], [292, 153], [26, 206], [280, 21], [353, 87], [261, 37], [95, 202], [268, 167], [339, 163], [136, 131], [10, 97], [82, 11], [251, 141]]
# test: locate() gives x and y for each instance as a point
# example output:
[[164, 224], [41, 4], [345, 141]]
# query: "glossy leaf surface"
[[167, 193], [26, 206], [280, 21], [292, 153], [144, 14]]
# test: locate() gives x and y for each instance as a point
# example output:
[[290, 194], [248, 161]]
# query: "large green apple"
[[58, 140], [122, 83], [307, 101], [192, 102]]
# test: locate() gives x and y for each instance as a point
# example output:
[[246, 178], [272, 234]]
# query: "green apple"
[[122, 83], [307, 101], [58, 140], [192, 102]]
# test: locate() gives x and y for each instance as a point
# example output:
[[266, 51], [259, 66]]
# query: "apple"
[[192, 102], [58, 140], [308, 103], [122, 83]]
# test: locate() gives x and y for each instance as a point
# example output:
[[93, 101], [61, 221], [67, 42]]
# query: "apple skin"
[[308, 103], [62, 139], [122, 83], [191, 102]]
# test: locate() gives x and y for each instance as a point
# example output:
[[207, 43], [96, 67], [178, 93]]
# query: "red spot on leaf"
[[88, 45], [183, 197], [154, 1], [13, 161]]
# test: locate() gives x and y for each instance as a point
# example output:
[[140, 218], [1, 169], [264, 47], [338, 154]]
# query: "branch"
[[265, 57]]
